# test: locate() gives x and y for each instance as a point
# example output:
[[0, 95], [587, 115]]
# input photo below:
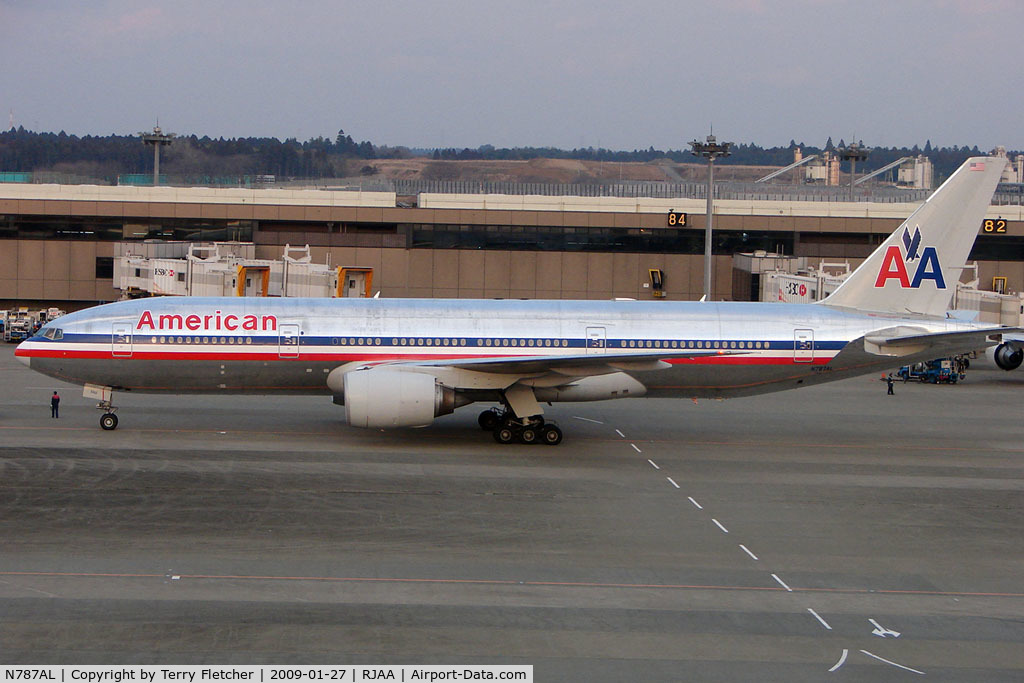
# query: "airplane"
[[403, 362]]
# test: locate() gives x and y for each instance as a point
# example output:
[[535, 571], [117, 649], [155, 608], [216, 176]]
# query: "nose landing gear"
[[104, 395]]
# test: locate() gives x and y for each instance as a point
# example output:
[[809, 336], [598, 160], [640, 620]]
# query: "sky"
[[463, 73]]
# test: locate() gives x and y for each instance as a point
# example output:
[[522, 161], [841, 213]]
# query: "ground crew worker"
[[54, 404], [888, 381]]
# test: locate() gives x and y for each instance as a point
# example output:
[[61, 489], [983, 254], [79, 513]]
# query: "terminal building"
[[58, 243]]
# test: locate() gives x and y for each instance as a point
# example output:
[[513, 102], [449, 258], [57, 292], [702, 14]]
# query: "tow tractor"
[[939, 371]]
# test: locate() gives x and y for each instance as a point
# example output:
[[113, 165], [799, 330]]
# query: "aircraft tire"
[[108, 421], [504, 434], [551, 435], [528, 435], [489, 420]]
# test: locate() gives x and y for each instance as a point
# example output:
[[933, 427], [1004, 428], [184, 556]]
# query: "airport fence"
[[685, 190]]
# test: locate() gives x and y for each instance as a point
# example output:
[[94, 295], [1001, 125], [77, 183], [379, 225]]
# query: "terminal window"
[[104, 268]]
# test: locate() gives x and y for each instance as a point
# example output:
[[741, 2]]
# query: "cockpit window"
[[53, 333]]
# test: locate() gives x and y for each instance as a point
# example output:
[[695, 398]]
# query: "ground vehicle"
[[17, 329], [941, 370], [17, 325]]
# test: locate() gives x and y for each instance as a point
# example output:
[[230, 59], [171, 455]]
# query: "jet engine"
[[1006, 356], [395, 397]]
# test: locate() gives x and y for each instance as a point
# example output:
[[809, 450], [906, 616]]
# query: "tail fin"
[[917, 268]]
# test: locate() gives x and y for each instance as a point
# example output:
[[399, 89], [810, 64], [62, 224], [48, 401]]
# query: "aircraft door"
[[121, 341], [803, 346], [596, 340], [288, 340]]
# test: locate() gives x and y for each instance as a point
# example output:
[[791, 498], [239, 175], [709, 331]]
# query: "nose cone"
[[21, 355]]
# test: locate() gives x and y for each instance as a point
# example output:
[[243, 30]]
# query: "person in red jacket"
[[54, 404]]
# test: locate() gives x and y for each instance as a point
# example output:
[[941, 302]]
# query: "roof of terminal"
[[473, 202]]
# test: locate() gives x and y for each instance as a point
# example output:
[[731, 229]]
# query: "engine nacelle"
[[1006, 356], [593, 388], [395, 397]]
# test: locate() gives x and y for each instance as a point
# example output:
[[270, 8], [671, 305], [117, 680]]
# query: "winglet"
[[916, 269]]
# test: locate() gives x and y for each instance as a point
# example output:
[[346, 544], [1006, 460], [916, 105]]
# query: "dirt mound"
[[532, 171]]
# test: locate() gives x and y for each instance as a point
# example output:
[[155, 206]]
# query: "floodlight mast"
[[710, 149], [158, 139], [853, 153]]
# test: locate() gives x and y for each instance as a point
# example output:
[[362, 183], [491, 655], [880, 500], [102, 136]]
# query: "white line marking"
[[841, 661], [49, 595], [818, 617], [587, 419], [782, 583], [719, 524], [635, 448], [695, 503], [620, 433], [881, 631], [672, 481], [747, 551], [882, 659], [653, 464]]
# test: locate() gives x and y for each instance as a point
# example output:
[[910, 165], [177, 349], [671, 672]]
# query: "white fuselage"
[[257, 345]]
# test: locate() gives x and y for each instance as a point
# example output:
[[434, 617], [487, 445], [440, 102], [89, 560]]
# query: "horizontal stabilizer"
[[902, 341]]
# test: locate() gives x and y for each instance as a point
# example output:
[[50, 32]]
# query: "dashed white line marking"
[[818, 617], [782, 583], [841, 661], [747, 551], [882, 659], [635, 448], [719, 525], [698, 505], [587, 419], [653, 464], [672, 481], [620, 433]]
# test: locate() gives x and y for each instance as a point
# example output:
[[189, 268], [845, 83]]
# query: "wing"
[[501, 372], [577, 365]]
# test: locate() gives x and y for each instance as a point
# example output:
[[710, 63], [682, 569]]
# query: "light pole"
[[711, 149], [158, 139], [853, 153]]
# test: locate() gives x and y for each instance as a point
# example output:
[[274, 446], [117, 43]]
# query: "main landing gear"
[[508, 428]]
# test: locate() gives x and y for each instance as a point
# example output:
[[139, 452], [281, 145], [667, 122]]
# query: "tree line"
[[190, 155], [107, 157]]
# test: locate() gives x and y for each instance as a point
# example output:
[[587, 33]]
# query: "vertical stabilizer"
[[917, 268]]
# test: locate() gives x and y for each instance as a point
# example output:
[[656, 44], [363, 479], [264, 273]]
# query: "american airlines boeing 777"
[[403, 362]]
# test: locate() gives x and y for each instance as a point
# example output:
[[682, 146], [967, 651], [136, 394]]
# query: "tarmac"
[[831, 532]]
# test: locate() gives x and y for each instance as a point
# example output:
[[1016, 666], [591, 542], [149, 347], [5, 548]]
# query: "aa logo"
[[896, 261]]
